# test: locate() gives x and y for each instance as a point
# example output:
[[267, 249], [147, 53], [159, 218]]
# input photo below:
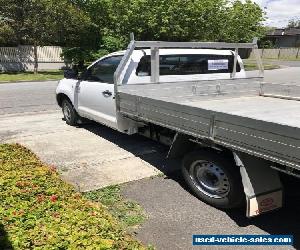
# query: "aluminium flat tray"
[[229, 113]]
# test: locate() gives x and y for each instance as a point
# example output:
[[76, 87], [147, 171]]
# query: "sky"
[[279, 12]]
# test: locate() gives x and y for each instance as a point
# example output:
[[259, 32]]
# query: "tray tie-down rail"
[[281, 91]]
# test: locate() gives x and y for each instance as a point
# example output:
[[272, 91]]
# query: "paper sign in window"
[[218, 64]]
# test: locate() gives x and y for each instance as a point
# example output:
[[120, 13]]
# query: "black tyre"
[[70, 114], [213, 178]]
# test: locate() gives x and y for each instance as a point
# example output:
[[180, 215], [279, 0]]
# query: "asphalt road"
[[174, 214], [295, 63], [284, 75], [27, 97]]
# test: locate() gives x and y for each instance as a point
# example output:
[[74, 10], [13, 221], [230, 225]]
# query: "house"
[[283, 38]]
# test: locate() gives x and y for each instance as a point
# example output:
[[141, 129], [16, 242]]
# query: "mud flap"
[[262, 185]]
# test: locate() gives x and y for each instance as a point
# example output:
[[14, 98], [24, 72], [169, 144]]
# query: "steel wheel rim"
[[67, 112], [210, 179]]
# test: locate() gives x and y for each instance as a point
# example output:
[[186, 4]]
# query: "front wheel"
[[69, 112], [213, 178]]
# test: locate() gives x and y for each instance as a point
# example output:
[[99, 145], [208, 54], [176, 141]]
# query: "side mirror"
[[71, 74]]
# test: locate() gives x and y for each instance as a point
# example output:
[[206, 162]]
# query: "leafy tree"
[[242, 22], [90, 28], [45, 22], [294, 24], [7, 34], [174, 20]]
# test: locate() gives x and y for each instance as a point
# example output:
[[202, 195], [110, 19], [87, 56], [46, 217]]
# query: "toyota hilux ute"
[[233, 131]]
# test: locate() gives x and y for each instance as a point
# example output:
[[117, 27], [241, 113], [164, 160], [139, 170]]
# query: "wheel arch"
[[183, 144], [60, 97]]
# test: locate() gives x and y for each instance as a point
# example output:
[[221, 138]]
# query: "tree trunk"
[[36, 65]]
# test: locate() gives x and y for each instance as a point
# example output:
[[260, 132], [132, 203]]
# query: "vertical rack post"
[[236, 52], [258, 58], [154, 65], [131, 36], [120, 68]]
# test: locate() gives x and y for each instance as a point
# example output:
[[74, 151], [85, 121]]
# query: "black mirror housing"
[[71, 74]]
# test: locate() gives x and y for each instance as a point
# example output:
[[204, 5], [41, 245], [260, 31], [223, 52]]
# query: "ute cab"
[[91, 95]]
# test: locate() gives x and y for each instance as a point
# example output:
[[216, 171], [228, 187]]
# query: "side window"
[[188, 64], [103, 71]]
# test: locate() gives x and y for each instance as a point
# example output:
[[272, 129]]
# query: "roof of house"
[[285, 32]]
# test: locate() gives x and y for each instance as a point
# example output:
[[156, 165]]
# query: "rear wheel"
[[70, 115], [213, 178]]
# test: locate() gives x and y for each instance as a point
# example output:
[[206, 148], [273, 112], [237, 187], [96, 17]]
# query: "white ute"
[[234, 133]]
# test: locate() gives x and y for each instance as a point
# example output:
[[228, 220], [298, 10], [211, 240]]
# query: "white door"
[[95, 92]]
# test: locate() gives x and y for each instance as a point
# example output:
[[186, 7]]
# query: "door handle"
[[107, 93]]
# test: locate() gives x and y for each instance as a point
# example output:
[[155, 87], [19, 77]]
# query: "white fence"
[[25, 54], [280, 53], [22, 58]]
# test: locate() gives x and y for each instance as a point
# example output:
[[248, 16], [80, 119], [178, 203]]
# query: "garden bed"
[[38, 210]]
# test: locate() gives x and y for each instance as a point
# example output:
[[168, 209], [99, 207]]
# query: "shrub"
[[38, 210]]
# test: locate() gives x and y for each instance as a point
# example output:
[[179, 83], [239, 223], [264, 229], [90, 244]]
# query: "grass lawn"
[[282, 59], [40, 211], [129, 213], [252, 66], [30, 76]]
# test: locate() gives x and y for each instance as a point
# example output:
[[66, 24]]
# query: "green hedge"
[[38, 210]]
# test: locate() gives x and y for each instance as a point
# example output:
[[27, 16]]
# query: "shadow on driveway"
[[148, 150]]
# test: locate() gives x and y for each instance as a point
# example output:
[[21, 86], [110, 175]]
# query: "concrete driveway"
[[90, 157], [93, 156]]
